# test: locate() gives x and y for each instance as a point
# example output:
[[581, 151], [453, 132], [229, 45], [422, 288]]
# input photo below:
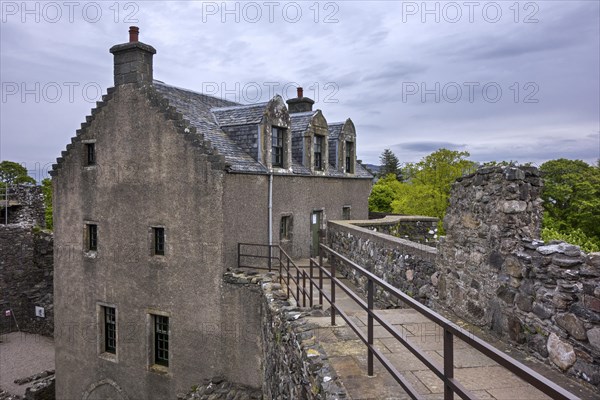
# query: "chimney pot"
[[134, 34], [300, 93]]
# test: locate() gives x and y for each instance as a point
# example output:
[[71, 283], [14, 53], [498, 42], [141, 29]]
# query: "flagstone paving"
[[479, 374]]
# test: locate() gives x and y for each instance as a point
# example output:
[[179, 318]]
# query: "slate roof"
[[208, 113], [335, 129], [196, 107], [300, 122], [239, 115]]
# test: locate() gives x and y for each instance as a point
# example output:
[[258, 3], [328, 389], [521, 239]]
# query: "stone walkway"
[[23, 355], [479, 374]]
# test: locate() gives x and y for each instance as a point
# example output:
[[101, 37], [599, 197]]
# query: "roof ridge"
[[227, 108], [156, 81]]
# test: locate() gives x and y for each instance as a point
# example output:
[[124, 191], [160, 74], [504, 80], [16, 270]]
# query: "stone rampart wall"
[[294, 365], [26, 279], [407, 265], [414, 228]]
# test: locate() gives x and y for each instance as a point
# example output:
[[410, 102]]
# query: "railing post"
[[310, 284], [304, 288], [448, 364], [270, 256], [280, 269], [370, 326], [297, 285], [332, 292], [320, 275], [288, 277]]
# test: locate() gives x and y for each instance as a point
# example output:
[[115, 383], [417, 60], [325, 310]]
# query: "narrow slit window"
[[159, 241], [110, 330], [277, 146], [318, 151], [161, 340], [90, 153], [92, 236]]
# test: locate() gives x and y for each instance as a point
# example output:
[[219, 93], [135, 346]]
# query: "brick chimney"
[[133, 60], [300, 103]]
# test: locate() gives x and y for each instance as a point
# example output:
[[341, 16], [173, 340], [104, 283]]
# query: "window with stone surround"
[[90, 150], [91, 237], [285, 229], [346, 212], [110, 329], [161, 339]]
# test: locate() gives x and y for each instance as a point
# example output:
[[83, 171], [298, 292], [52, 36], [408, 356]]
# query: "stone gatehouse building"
[[152, 197]]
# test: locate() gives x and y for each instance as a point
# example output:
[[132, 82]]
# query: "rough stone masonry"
[[495, 272]]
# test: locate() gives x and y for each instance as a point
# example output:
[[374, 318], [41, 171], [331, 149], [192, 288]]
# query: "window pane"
[[318, 147], [277, 146], [110, 330], [91, 153], [159, 241], [161, 340], [92, 237], [349, 157]]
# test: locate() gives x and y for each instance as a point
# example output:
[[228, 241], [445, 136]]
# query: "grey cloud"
[[430, 146]]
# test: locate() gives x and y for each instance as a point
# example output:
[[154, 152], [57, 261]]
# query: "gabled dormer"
[[342, 146], [262, 130], [310, 146]]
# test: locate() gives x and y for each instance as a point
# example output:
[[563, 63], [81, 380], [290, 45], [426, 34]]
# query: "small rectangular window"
[[159, 241], [110, 330], [91, 153], [285, 231], [92, 237], [346, 212], [277, 146], [349, 157], [161, 340], [318, 150]]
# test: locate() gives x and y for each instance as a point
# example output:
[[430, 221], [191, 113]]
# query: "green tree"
[[47, 191], [383, 193], [389, 165], [428, 183], [571, 198], [12, 173]]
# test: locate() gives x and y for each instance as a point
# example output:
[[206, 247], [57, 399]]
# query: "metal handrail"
[[445, 373]]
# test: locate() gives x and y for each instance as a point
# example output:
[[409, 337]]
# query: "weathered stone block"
[[593, 336], [524, 302], [561, 354], [542, 311], [571, 324], [566, 261]]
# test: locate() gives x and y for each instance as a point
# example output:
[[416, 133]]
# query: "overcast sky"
[[502, 80]]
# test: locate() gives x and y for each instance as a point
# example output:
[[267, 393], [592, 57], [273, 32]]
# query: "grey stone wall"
[[294, 364], [25, 205], [26, 279], [494, 273], [415, 228], [490, 212], [407, 265]]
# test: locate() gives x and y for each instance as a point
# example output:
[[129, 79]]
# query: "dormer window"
[[349, 157], [277, 146], [318, 151]]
